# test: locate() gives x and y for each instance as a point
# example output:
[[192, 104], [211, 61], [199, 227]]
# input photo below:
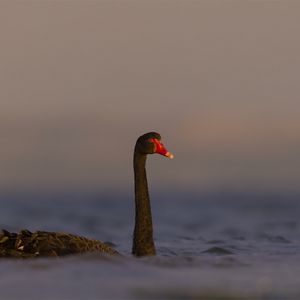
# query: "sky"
[[81, 80]]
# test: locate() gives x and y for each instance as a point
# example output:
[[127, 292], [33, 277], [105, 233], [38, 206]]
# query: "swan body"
[[26, 244]]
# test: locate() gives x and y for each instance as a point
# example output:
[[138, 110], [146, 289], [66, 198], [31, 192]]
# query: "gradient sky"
[[80, 80]]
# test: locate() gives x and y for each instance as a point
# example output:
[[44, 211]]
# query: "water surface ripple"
[[209, 247]]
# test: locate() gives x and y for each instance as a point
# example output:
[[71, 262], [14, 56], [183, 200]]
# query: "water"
[[210, 246]]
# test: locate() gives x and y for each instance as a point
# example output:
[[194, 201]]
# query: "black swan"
[[26, 244]]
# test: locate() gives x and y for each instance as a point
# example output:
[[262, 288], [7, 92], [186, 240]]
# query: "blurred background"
[[81, 80]]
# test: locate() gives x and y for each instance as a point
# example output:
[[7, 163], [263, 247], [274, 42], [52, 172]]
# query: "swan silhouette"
[[26, 244]]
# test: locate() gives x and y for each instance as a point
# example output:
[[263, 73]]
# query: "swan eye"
[[154, 143]]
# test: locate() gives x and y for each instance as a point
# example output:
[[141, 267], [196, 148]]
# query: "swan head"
[[150, 143]]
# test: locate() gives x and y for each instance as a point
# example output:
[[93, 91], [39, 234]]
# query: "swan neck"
[[143, 243]]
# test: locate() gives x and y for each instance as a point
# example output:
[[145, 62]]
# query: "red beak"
[[161, 149]]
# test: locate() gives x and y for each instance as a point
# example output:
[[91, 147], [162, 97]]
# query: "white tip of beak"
[[170, 155]]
